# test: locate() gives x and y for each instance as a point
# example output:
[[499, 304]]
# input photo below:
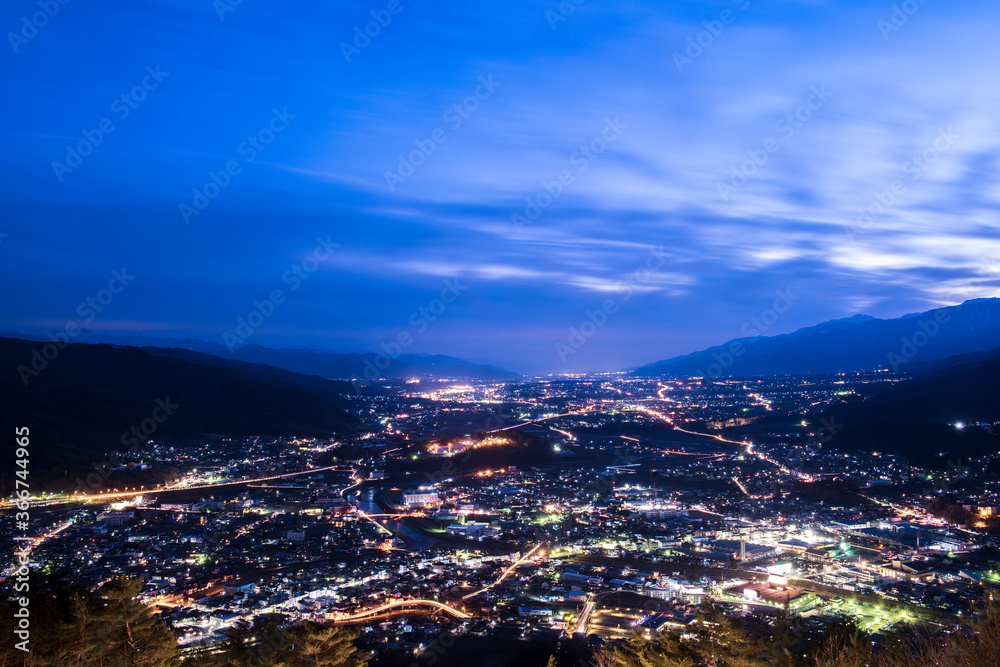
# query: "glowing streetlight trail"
[[37, 502], [505, 573], [743, 488], [660, 415], [375, 611], [540, 419], [747, 447], [588, 609]]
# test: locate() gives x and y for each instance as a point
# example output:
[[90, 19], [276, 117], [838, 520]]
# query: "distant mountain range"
[[366, 366], [852, 344], [313, 361], [83, 401]]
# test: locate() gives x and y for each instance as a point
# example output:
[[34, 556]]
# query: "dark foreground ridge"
[[86, 401]]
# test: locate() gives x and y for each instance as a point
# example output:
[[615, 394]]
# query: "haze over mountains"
[[852, 344], [325, 363], [90, 395], [913, 343]]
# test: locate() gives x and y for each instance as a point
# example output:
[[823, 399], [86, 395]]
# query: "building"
[[475, 531], [236, 588], [908, 570], [421, 498], [773, 594], [652, 626], [661, 512], [660, 592], [116, 519], [742, 550], [868, 578]]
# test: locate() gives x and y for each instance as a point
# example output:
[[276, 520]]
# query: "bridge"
[[395, 606], [588, 609]]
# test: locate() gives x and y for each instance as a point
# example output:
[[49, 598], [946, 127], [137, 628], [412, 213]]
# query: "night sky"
[[667, 168]]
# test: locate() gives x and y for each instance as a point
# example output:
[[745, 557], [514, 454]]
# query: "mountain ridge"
[[81, 404], [855, 343], [329, 364]]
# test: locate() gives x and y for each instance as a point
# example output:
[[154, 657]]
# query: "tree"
[[667, 651], [723, 641], [75, 627], [785, 642], [135, 638], [845, 646], [314, 645], [268, 644]]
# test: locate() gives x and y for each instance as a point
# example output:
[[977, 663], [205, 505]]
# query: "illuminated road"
[[660, 415], [395, 604], [505, 573], [36, 542], [76, 498], [747, 447], [743, 488], [581, 625], [588, 609], [904, 512], [542, 419]]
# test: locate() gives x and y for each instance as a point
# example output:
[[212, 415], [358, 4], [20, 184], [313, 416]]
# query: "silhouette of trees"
[[719, 641], [72, 626]]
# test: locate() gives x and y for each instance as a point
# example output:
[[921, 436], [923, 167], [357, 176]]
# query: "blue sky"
[[823, 109]]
